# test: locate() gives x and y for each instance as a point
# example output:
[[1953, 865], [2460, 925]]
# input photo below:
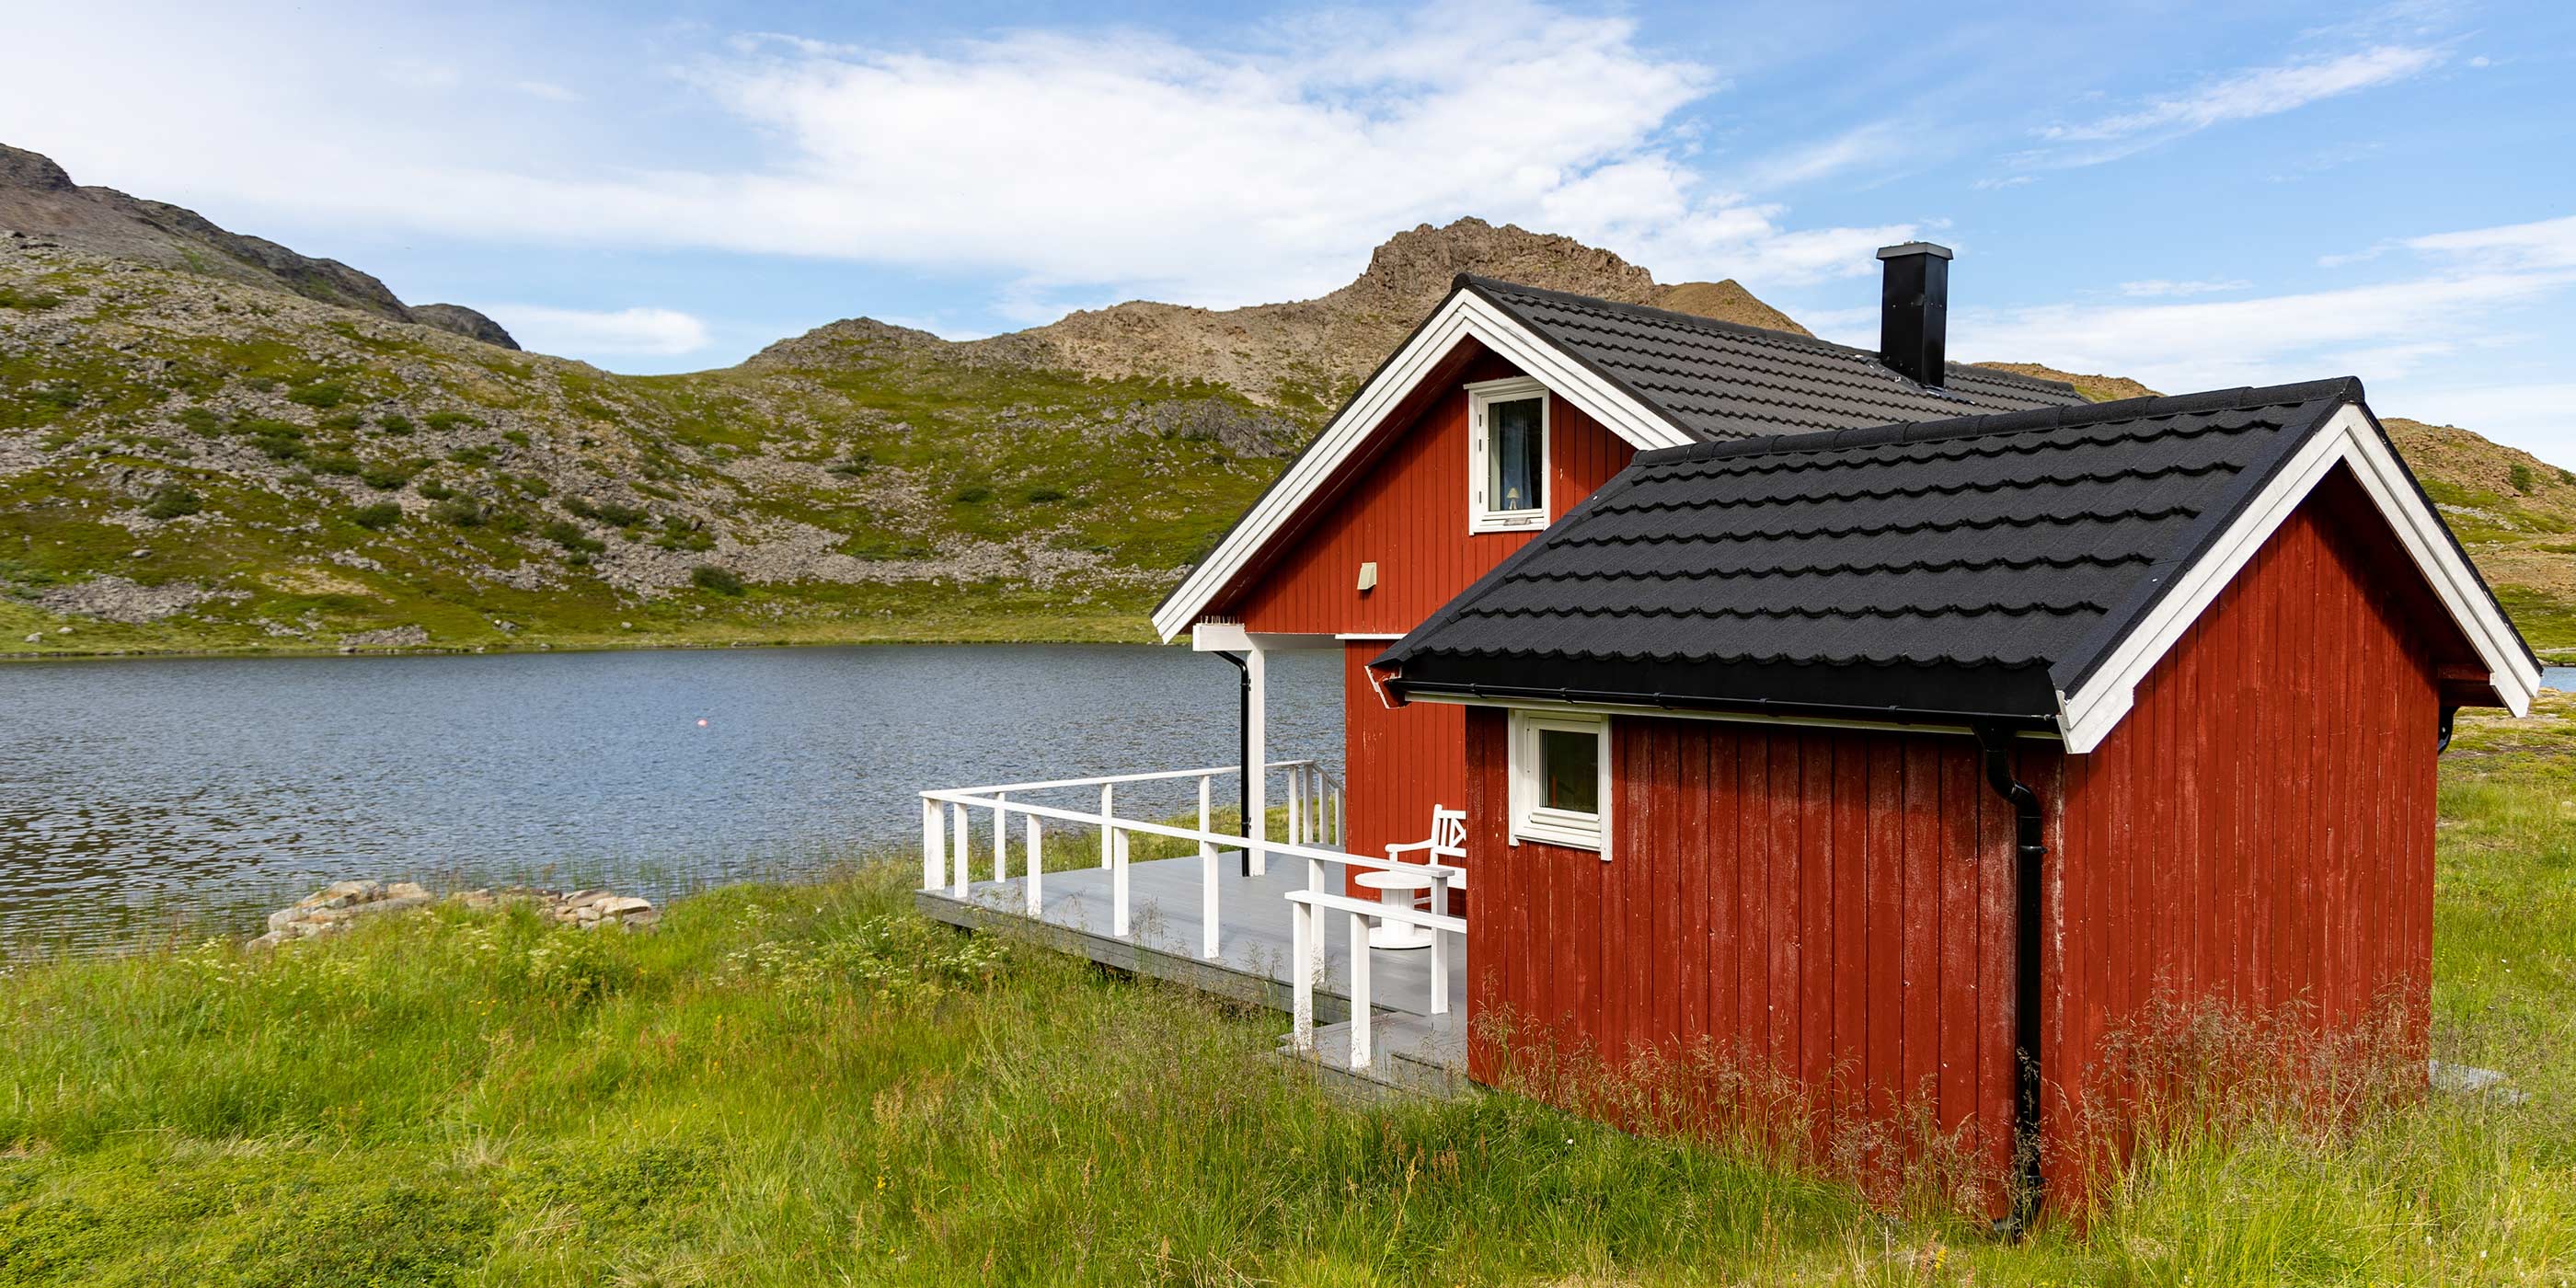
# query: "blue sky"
[[2194, 195]]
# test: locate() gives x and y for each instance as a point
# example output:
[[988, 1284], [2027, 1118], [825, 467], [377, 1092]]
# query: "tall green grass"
[[806, 1083]]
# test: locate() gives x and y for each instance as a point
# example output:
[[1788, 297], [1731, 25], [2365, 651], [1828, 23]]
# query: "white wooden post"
[[1256, 736], [934, 845], [1439, 943], [1207, 874], [1001, 839], [957, 825], [1301, 968], [1341, 824], [1105, 815], [1295, 782], [1037, 866], [1117, 882], [1359, 991]]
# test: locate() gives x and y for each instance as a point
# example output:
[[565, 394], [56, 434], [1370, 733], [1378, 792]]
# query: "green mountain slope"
[[210, 442]]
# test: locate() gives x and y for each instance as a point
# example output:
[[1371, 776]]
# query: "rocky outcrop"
[[342, 904], [38, 197], [1316, 351], [465, 322], [338, 906]]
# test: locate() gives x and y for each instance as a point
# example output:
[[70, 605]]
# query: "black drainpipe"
[[1243, 735], [2448, 713], [2028, 849]]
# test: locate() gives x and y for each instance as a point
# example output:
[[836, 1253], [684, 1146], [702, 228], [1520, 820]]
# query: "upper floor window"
[[1507, 449]]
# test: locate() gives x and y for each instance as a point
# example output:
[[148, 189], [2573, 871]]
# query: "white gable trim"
[[1466, 315], [2089, 715]]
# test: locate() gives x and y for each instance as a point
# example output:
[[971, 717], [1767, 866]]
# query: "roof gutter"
[[1412, 690], [2029, 848]]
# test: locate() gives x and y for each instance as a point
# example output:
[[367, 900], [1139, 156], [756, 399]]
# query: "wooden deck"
[[1415, 1050]]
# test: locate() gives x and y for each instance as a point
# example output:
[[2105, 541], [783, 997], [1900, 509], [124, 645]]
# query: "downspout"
[[2029, 847], [1243, 738], [2449, 713]]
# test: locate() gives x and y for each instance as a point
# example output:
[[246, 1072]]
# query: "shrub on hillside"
[[171, 502], [719, 580], [376, 517], [321, 393], [394, 423]]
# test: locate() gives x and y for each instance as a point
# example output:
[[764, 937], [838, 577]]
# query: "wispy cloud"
[[2247, 94], [548, 90], [2154, 288], [640, 332], [2255, 92]]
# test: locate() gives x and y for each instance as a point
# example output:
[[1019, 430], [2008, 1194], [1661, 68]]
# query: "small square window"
[[1507, 449], [1560, 779]]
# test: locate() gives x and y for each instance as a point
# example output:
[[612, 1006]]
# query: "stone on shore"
[[341, 904]]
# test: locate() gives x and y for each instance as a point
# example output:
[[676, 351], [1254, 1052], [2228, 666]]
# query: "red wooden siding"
[[2259, 831], [1415, 754], [1404, 507], [1833, 904], [1839, 903]]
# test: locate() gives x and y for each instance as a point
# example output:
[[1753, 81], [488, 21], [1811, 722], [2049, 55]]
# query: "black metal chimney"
[[1914, 311]]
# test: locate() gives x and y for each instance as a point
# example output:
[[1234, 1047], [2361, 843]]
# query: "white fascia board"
[[2090, 713], [1465, 316]]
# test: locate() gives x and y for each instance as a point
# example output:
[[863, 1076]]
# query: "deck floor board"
[[1252, 964]]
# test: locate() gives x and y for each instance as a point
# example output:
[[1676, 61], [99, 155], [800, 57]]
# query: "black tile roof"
[[1962, 568], [1720, 380]]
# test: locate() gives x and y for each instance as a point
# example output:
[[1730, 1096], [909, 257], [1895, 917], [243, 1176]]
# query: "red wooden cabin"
[[1904, 727]]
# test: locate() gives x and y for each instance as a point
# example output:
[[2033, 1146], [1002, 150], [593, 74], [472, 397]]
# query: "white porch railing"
[[1315, 820]]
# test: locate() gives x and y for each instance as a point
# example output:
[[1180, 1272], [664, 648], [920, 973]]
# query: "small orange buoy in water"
[[702, 724]]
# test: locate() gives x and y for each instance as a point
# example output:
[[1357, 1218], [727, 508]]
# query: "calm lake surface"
[[145, 798], [142, 798]]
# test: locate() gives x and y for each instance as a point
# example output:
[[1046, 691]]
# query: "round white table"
[[1396, 890]]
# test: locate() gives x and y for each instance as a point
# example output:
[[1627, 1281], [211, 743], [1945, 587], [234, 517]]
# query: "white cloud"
[[548, 91], [2545, 245], [2154, 288], [1083, 166], [2246, 94], [2256, 92], [646, 332], [2381, 330]]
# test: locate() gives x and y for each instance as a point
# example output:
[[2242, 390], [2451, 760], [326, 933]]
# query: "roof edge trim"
[[2350, 437], [1466, 314]]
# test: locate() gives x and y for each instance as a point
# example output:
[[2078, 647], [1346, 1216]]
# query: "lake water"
[[144, 797], [140, 798]]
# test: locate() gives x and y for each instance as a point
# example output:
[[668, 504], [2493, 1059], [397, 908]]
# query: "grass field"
[[806, 1083]]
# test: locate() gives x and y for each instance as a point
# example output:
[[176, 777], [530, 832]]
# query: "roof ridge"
[[1791, 338], [2342, 388]]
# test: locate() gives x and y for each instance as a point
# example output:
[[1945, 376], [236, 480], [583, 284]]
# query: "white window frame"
[[1481, 395], [1534, 822]]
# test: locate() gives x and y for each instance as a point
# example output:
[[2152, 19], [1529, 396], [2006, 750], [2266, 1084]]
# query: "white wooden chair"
[[1448, 841]]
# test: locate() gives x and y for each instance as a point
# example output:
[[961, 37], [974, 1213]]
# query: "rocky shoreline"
[[343, 904]]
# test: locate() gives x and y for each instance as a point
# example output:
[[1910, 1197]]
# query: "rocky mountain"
[[38, 199], [208, 441]]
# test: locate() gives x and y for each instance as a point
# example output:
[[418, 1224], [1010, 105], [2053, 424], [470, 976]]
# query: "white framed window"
[[1560, 779], [1507, 455]]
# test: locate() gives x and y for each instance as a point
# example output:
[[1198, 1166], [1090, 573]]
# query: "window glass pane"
[[1569, 769], [1512, 453]]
